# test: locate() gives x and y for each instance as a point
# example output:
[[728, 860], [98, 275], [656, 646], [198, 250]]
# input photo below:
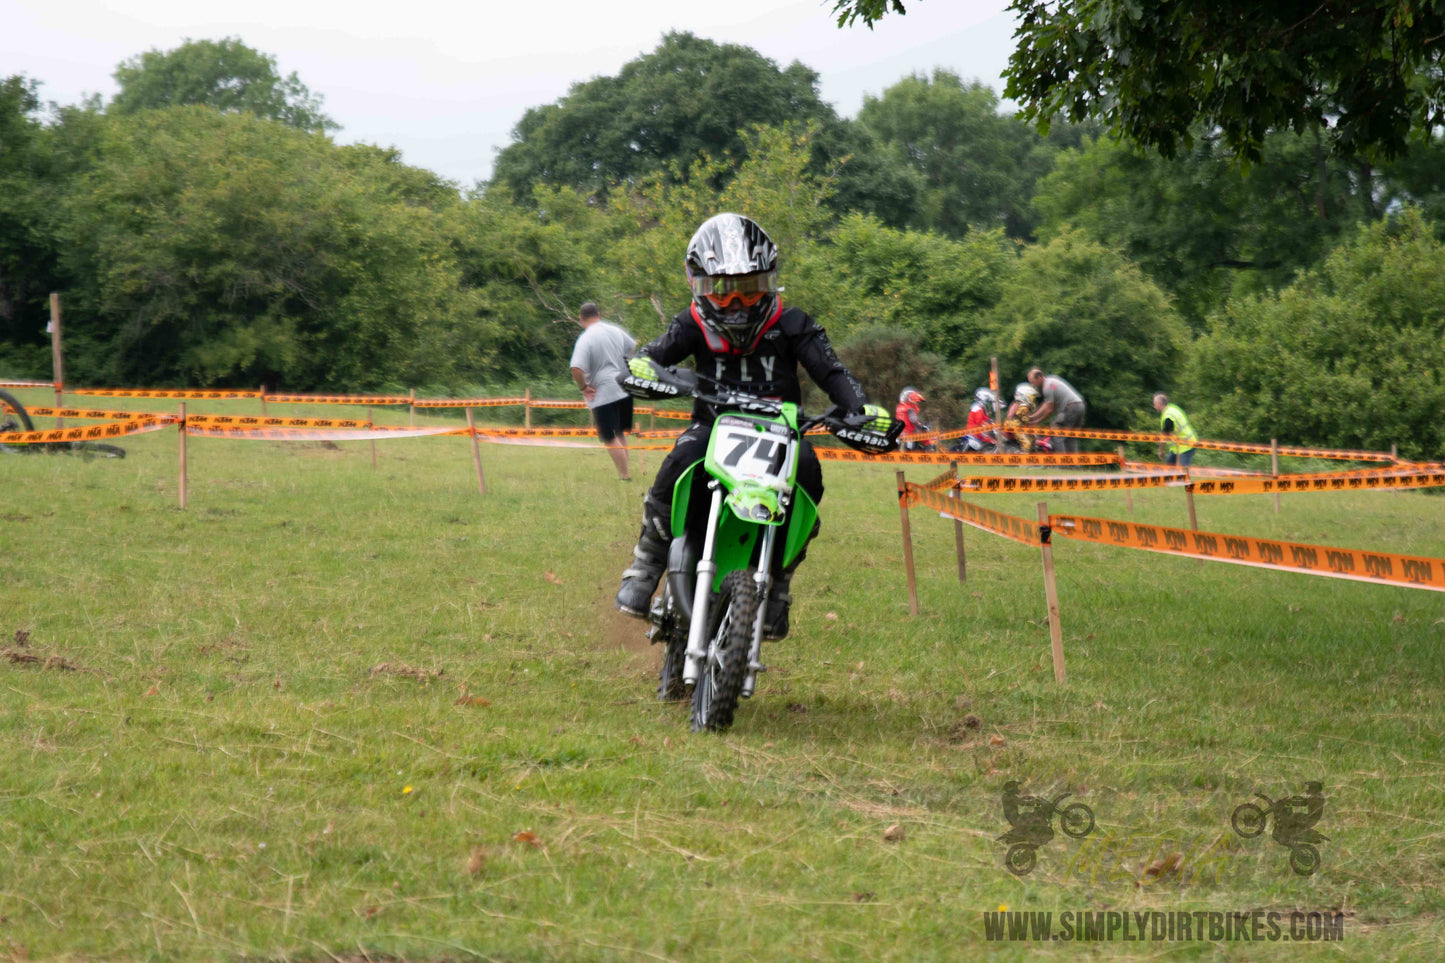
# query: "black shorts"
[[613, 419]]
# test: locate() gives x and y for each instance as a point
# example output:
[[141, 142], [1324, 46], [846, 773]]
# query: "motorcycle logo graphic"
[[1294, 820], [1032, 820]]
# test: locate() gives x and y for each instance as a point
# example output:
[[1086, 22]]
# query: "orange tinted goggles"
[[748, 300]]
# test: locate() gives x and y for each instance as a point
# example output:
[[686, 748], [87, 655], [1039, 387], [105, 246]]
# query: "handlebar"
[[848, 427]]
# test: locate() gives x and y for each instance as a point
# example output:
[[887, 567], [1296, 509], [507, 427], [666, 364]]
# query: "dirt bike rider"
[[739, 333], [1293, 827], [1028, 815], [910, 400], [983, 410], [1026, 402]]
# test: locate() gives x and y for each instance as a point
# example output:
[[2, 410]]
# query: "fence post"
[[1394, 460], [57, 361], [476, 453], [907, 546], [527, 408], [182, 432], [263, 401], [1193, 519], [957, 526], [1274, 468], [1051, 594], [411, 412], [1128, 492], [371, 425]]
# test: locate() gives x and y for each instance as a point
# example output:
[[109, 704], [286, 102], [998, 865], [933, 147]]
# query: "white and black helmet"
[[732, 269]]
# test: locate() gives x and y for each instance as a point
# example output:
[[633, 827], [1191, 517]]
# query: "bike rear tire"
[[719, 687], [96, 449], [17, 419]]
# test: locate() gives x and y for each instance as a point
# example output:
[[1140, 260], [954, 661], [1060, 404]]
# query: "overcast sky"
[[446, 81]]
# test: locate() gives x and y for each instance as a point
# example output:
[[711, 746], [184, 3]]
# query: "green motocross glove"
[[882, 420], [641, 366]]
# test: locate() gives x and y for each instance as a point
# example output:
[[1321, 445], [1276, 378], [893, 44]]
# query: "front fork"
[[697, 641]]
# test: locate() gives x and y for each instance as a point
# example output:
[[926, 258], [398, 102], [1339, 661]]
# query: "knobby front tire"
[[715, 697]]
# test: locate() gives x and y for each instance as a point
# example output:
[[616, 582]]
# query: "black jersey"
[[770, 369]]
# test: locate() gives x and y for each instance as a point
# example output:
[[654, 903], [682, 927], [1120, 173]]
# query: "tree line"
[[205, 230]]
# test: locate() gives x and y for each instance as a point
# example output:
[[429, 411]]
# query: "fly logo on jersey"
[[748, 369]]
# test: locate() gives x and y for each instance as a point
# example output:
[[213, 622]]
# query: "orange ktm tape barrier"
[[469, 402], [1143, 437], [1195, 471], [1403, 570], [482, 435], [339, 399], [1009, 526], [113, 429], [540, 432], [45, 412], [1424, 476], [1020, 484], [315, 434], [267, 421], [27, 384], [657, 433], [943, 481], [534, 403], [161, 393], [675, 415], [944, 458]]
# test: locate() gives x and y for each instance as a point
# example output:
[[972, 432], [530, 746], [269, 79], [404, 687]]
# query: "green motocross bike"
[[729, 512]]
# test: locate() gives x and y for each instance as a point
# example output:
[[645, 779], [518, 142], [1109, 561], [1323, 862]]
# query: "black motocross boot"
[[779, 600], [649, 559]]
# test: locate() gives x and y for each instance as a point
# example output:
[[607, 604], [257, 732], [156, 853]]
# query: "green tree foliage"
[[24, 258], [212, 248], [1368, 71], [1202, 226], [1352, 354], [977, 167], [1086, 313], [688, 97], [938, 290], [885, 360], [224, 74]]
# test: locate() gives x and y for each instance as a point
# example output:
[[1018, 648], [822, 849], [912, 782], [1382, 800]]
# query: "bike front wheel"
[[1076, 820], [715, 697], [1247, 820]]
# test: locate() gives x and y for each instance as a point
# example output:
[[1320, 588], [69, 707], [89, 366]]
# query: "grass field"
[[331, 712]]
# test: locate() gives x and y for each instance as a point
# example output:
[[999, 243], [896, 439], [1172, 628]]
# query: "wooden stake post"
[[476, 454], [411, 412], [1274, 467], [182, 430], [57, 361], [527, 408], [1128, 492], [1051, 594], [958, 529], [370, 424], [907, 547]]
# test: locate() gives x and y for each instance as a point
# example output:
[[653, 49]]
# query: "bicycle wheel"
[[96, 449], [715, 697], [13, 416]]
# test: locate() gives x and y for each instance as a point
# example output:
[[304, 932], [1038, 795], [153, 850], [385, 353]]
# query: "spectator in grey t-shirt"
[[1062, 401], [598, 360]]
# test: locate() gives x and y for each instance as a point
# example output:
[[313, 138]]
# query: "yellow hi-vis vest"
[[1183, 431]]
